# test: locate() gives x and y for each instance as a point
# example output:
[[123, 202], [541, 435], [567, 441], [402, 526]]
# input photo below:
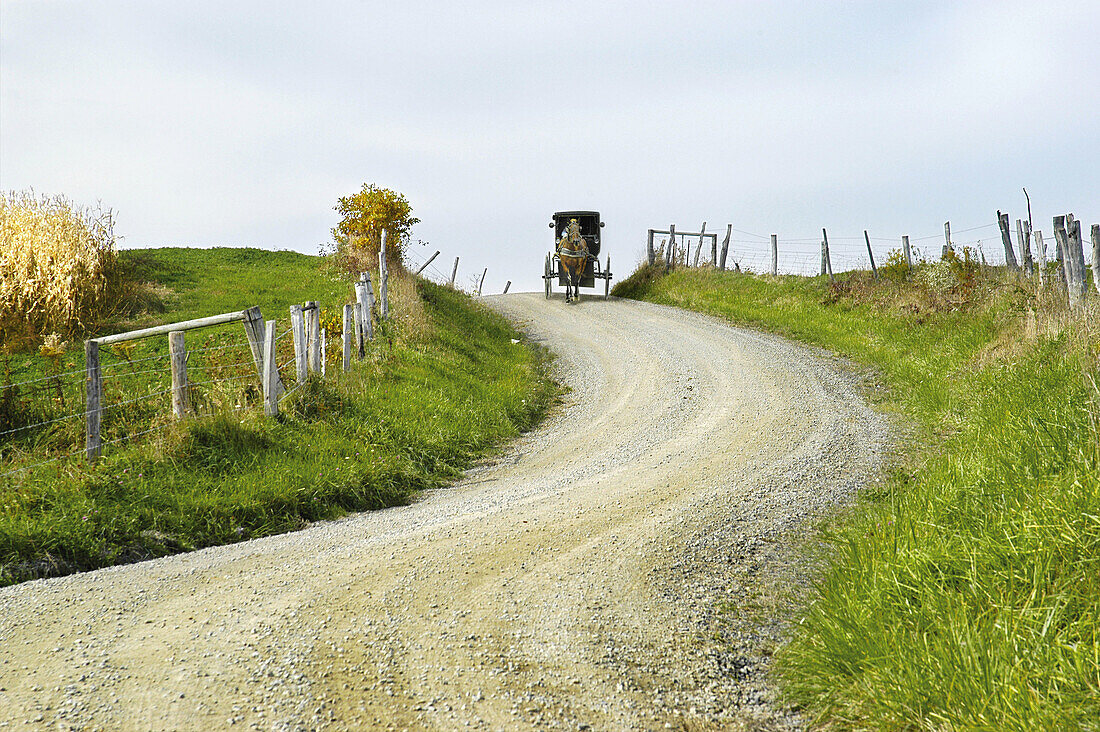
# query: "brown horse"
[[573, 255]]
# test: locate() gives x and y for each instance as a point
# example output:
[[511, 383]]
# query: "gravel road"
[[628, 565]]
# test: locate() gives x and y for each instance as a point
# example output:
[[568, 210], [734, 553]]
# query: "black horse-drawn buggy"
[[574, 262]]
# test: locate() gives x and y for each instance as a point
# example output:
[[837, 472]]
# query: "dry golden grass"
[[58, 268]]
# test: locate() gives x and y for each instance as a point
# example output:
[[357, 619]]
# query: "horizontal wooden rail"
[[162, 329]]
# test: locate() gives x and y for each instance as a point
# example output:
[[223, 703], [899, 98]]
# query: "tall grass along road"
[[964, 593], [618, 567]]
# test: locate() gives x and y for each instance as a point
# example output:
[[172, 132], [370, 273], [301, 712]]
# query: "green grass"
[[414, 415], [965, 592]]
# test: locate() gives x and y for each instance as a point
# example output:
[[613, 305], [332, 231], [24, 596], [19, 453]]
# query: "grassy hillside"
[[442, 384], [965, 593]]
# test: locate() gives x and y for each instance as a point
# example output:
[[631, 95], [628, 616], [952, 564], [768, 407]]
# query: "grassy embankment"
[[442, 384], [965, 593]]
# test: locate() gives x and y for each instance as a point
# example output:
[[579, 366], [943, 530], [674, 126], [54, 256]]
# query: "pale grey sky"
[[239, 124]]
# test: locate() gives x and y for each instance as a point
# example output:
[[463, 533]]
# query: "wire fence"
[[801, 255], [46, 414]]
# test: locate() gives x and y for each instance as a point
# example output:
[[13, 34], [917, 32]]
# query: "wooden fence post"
[[1041, 248], [254, 329], [671, 246], [1023, 238], [271, 379], [311, 312], [364, 298], [823, 270], [775, 255], [906, 251], [699, 250], [430, 260], [481, 281], [506, 286], [360, 341], [315, 353], [181, 398], [1006, 239], [299, 337], [362, 317], [454, 271], [383, 285], [1072, 256], [947, 245], [1076, 250], [713, 250], [649, 254], [93, 443], [368, 325], [870, 254], [725, 246], [828, 259], [1095, 233], [349, 333]]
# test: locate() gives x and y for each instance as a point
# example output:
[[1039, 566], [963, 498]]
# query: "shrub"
[[58, 268], [364, 215], [895, 268]]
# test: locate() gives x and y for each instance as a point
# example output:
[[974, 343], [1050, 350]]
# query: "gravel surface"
[[628, 565]]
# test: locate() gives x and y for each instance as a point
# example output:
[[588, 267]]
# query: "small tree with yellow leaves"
[[364, 215]]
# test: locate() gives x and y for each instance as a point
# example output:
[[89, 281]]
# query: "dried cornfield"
[[58, 268]]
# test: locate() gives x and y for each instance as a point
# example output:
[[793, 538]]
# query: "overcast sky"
[[241, 123]]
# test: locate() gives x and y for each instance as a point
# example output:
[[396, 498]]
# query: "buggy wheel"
[[546, 276]]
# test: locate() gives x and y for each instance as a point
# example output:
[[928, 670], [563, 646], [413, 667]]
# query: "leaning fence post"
[[870, 254], [254, 329], [454, 271], [775, 255], [699, 249], [349, 329], [271, 372], [906, 251], [828, 259], [93, 444], [725, 246], [299, 336], [177, 349], [481, 281], [430, 260], [1006, 239], [947, 245], [506, 286]]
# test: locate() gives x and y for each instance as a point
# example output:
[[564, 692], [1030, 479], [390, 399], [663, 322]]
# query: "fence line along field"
[[226, 472], [962, 591]]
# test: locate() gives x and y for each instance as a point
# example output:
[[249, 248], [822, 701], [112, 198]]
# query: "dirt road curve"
[[579, 581]]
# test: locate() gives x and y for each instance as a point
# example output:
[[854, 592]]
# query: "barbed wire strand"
[[43, 424], [44, 378]]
